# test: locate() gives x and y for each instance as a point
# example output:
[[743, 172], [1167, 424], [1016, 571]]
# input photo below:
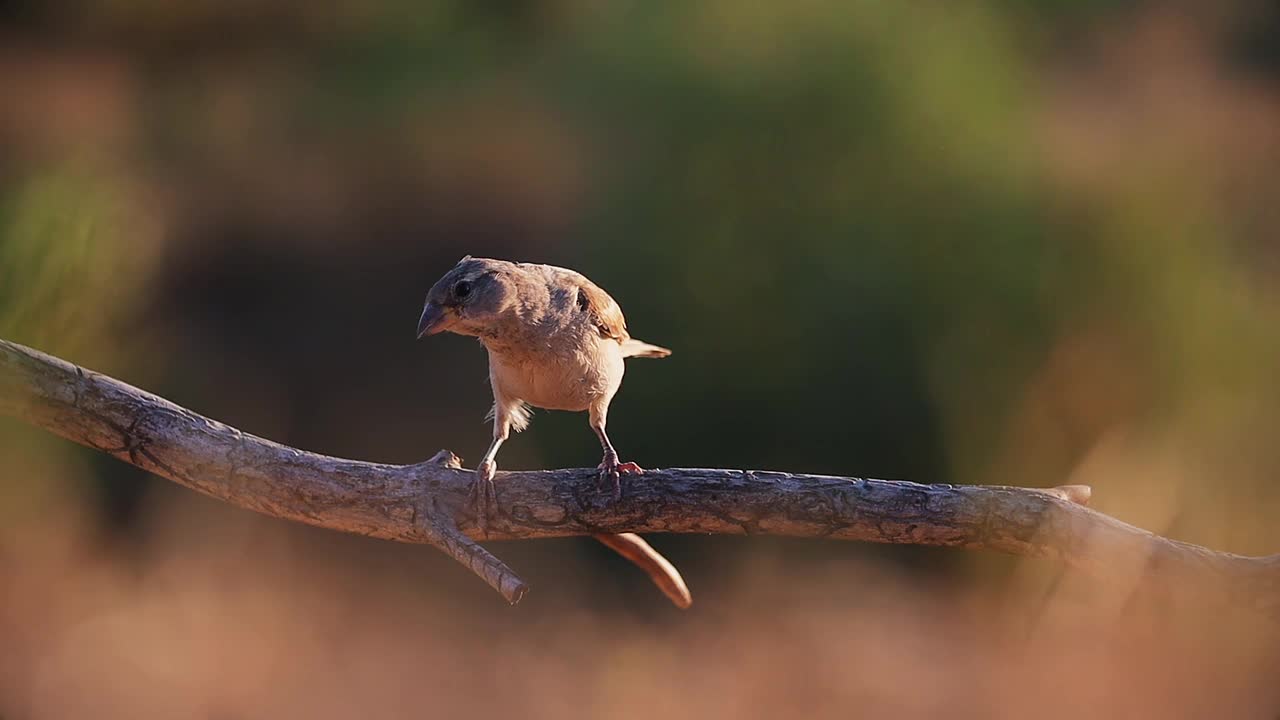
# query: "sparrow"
[[555, 340]]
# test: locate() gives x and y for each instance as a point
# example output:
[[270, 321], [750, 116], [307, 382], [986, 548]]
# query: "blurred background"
[[1025, 243]]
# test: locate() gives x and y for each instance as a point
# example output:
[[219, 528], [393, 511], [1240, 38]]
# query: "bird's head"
[[468, 299]]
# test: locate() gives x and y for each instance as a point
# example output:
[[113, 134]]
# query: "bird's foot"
[[611, 472], [483, 494]]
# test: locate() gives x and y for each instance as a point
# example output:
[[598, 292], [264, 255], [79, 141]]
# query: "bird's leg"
[[482, 489], [610, 468]]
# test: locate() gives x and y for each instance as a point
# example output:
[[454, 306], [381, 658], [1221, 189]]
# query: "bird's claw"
[[611, 472], [483, 494]]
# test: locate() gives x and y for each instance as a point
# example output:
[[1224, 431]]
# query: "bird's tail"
[[635, 348]]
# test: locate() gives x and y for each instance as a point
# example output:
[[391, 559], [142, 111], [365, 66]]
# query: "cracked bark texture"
[[427, 502]]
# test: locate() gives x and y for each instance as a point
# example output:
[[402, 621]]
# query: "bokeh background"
[[1027, 243]]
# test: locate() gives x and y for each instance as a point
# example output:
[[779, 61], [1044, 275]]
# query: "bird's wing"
[[606, 313]]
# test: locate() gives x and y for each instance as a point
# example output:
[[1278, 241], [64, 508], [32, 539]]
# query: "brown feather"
[[607, 314]]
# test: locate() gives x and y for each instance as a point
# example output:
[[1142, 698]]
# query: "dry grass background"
[[212, 612]]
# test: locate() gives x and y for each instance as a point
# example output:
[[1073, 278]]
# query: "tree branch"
[[427, 502]]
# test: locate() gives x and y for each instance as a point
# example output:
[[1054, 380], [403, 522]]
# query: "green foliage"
[[966, 243], [69, 263]]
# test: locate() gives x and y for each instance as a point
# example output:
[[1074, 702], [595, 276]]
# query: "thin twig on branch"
[[427, 502]]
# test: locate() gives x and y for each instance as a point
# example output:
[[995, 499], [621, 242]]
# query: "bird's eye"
[[462, 289]]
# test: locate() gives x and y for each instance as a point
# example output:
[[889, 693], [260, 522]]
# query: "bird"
[[555, 341]]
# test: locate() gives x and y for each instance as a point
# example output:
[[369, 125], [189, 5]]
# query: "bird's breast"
[[558, 378]]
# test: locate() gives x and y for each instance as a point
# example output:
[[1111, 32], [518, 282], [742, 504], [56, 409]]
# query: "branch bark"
[[427, 502]]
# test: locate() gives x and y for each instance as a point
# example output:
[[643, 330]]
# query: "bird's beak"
[[434, 318]]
